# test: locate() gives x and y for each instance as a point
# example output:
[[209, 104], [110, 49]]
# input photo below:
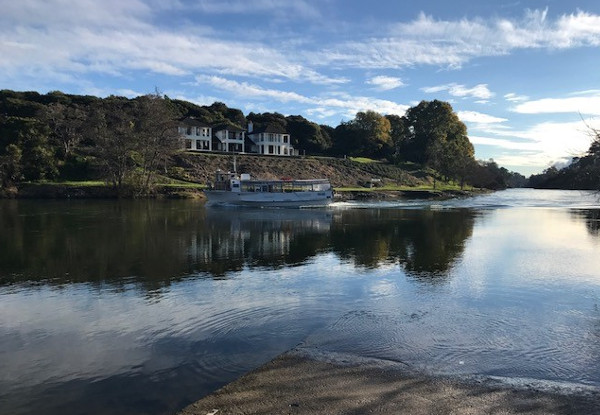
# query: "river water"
[[146, 306]]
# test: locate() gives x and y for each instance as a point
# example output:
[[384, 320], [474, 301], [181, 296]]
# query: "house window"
[[197, 131], [188, 144], [285, 139], [189, 131], [198, 145]]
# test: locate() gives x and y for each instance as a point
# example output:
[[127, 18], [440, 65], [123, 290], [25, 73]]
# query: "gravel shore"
[[298, 382]]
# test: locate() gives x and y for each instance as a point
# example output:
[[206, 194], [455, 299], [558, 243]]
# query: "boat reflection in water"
[[271, 238]]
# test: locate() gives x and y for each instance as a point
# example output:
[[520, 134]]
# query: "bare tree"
[[156, 136], [67, 125]]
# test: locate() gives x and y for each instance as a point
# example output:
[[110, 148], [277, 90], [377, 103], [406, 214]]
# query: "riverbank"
[[301, 382], [350, 179]]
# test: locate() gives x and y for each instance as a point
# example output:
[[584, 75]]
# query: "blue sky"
[[522, 75]]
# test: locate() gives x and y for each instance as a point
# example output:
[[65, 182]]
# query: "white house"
[[197, 135], [271, 139], [229, 138]]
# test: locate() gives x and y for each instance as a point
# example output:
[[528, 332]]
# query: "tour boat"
[[241, 190]]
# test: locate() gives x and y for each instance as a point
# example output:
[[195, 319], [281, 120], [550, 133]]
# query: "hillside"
[[341, 172]]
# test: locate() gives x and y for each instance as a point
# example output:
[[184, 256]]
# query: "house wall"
[[230, 141], [196, 138], [273, 143]]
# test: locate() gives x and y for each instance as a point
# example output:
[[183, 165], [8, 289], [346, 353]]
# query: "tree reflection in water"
[[151, 244], [424, 242]]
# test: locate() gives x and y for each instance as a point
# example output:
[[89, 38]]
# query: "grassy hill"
[[343, 173], [189, 173]]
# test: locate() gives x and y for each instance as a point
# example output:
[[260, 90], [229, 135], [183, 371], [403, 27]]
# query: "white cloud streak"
[[512, 97], [479, 118], [588, 105], [456, 90], [385, 83], [339, 103]]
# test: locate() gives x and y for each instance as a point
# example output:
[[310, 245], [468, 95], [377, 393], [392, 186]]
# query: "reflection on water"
[[592, 219], [144, 306], [155, 244]]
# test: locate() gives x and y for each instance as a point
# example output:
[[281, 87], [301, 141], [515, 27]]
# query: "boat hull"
[[266, 199]]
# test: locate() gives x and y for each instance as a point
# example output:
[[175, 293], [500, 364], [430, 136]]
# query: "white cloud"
[[504, 143], [512, 97], [114, 38], [541, 145], [296, 8], [451, 43], [458, 90], [479, 118], [385, 83], [589, 105], [248, 90], [338, 103]]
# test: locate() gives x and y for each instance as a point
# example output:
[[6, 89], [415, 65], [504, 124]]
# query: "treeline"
[[582, 174], [128, 142], [430, 134]]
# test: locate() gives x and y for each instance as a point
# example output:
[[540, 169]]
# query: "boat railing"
[[285, 186]]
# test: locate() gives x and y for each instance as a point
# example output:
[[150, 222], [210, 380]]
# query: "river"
[[142, 307]]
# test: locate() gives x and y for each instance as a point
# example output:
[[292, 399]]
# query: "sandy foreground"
[[298, 382]]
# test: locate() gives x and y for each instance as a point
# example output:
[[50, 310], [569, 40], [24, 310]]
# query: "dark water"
[[145, 306]]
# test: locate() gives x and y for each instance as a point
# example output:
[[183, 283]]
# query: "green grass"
[[185, 185], [363, 160], [82, 183]]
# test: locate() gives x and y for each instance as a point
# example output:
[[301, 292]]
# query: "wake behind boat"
[[241, 190]]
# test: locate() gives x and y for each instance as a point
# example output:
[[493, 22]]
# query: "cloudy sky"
[[523, 75]]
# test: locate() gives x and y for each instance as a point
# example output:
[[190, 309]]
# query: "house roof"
[[270, 128], [193, 122], [228, 126]]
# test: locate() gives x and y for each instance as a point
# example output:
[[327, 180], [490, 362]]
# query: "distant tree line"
[[583, 173], [128, 142]]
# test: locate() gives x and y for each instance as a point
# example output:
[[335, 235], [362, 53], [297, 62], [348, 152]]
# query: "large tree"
[[368, 134], [430, 123]]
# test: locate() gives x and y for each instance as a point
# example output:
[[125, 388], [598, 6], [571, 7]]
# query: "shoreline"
[[304, 381], [61, 191]]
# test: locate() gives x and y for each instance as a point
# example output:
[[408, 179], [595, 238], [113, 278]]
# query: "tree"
[[112, 129], [398, 133], [427, 123], [307, 136], [66, 124], [10, 166], [368, 134], [35, 154], [156, 136]]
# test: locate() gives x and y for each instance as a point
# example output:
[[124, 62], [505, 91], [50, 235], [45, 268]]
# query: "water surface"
[[145, 306]]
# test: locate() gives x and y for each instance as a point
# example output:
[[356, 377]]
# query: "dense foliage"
[[128, 142]]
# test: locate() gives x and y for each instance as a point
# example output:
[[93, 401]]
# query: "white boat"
[[240, 190]]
